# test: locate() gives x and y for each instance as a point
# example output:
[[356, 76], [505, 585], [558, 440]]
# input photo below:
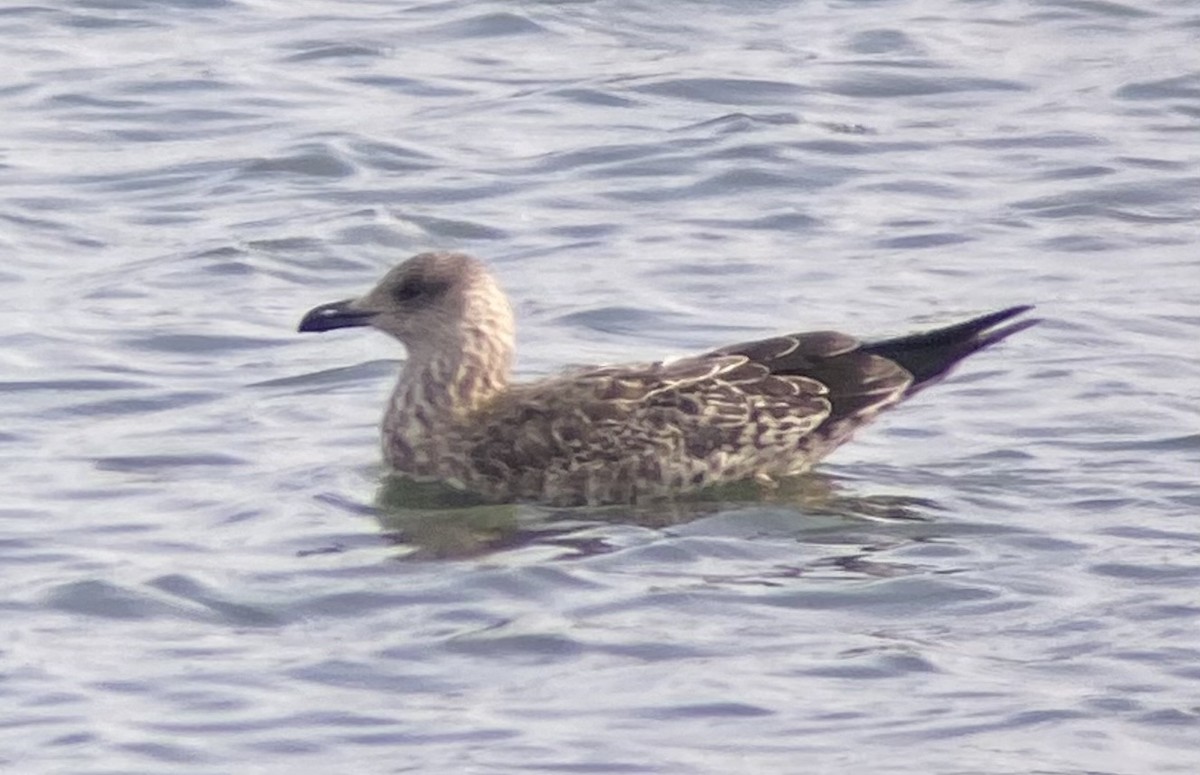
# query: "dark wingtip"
[[991, 335], [977, 327], [931, 356]]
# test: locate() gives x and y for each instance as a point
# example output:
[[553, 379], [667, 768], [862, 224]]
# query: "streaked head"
[[431, 302]]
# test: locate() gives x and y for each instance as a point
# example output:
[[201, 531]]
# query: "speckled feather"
[[628, 433]]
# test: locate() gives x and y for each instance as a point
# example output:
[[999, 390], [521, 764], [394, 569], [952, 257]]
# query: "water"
[[999, 578]]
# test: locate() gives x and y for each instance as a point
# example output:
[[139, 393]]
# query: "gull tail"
[[932, 355]]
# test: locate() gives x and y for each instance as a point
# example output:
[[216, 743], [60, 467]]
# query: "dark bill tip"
[[337, 314]]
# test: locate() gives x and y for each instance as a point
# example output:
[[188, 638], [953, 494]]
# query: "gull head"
[[431, 302]]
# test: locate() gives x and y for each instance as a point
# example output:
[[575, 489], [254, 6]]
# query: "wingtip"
[[993, 334], [931, 355], [983, 323]]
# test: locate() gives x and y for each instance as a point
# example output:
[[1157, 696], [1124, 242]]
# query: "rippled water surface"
[[1001, 577]]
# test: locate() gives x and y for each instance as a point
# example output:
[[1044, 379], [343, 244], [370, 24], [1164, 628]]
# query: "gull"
[[623, 434]]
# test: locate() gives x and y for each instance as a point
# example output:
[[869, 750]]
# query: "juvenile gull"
[[622, 434]]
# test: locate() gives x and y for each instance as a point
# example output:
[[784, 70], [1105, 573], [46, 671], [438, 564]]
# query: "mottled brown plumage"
[[621, 434]]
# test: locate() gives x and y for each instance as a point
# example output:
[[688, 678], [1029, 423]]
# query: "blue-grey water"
[[1002, 576]]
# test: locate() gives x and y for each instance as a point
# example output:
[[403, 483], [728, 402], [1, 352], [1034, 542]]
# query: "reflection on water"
[[434, 521]]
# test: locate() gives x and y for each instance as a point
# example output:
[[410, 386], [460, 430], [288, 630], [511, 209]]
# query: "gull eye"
[[418, 290], [408, 290]]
